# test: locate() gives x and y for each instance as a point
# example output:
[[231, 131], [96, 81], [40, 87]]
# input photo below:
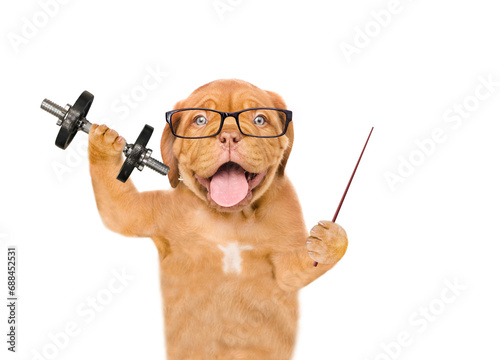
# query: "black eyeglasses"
[[199, 123]]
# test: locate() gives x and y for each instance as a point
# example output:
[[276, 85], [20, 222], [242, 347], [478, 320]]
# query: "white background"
[[437, 225]]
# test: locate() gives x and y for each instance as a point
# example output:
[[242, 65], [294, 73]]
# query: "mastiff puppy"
[[232, 243]]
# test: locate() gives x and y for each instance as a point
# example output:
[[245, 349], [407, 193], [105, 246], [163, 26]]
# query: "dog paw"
[[104, 144], [327, 242]]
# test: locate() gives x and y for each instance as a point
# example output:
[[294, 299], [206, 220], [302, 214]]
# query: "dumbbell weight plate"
[[71, 122], [137, 151]]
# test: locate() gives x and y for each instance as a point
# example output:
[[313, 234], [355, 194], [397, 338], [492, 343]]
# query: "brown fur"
[[210, 313]]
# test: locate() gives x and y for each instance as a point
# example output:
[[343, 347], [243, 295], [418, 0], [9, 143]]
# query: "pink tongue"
[[229, 185]]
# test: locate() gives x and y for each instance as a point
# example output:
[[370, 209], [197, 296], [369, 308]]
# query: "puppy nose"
[[230, 136]]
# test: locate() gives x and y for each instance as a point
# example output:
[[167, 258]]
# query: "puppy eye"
[[200, 120], [259, 120]]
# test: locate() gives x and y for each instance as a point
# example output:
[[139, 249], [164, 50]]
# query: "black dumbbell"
[[73, 118]]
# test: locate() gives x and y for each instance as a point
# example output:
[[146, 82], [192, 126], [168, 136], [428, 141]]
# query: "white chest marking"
[[232, 257]]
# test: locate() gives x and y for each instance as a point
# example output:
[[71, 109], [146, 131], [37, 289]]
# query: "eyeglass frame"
[[224, 115]]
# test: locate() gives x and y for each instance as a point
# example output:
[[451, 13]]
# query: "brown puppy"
[[232, 243]]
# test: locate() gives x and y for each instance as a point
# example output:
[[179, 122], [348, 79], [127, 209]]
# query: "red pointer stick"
[[349, 183]]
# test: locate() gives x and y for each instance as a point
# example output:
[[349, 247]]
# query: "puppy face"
[[229, 171]]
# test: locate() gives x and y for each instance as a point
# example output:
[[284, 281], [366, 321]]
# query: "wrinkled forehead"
[[228, 98]]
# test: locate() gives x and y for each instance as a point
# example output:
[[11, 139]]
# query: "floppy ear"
[[279, 103], [167, 152]]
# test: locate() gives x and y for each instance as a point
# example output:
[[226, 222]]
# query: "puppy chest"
[[232, 257], [226, 257], [216, 281]]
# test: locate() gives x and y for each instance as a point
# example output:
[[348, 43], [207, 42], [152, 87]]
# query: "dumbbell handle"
[[60, 112]]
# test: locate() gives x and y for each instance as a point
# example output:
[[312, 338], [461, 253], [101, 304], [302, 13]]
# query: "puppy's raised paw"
[[104, 144], [327, 242]]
